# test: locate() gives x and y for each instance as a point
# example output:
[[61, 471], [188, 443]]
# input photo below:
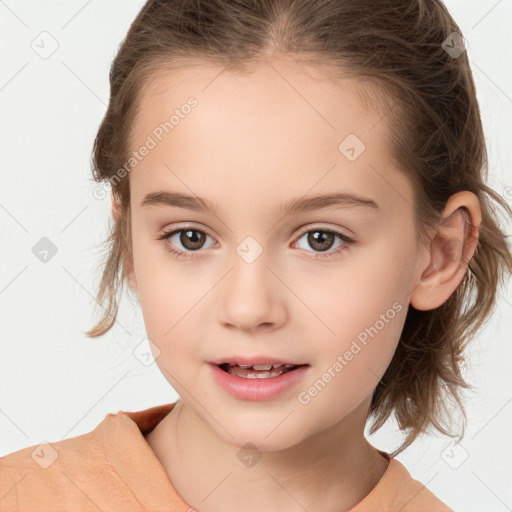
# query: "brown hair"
[[437, 138]]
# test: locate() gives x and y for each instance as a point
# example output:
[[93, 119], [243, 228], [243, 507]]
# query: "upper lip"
[[254, 360]]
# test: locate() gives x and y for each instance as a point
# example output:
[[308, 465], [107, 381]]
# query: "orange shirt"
[[113, 468]]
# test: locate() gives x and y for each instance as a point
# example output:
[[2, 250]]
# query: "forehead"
[[290, 88], [281, 127]]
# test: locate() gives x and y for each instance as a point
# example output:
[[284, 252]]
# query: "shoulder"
[[36, 475], [411, 495], [398, 491], [109, 468]]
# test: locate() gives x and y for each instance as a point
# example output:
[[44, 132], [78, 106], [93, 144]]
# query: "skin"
[[255, 141]]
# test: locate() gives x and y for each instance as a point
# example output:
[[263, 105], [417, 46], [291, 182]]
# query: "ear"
[[451, 250], [130, 271]]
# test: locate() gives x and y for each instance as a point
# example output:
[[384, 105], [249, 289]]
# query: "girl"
[[300, 208]]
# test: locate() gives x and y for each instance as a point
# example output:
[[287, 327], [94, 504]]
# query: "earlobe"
[[116, 210], [451, 250]]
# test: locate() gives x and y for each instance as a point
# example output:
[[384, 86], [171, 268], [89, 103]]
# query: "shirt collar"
[[142, 472], [122, 438]]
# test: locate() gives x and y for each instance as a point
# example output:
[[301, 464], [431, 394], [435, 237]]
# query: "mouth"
[[258, 371], [257, 377]]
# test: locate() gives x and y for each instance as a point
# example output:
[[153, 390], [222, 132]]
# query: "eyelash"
[[318, 255]]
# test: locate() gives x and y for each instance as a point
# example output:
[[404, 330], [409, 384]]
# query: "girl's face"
[[252, 280]]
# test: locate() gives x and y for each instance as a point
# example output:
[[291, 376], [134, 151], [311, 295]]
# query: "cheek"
[[365, 318], [353, 296], [360, 312], [171, 309], [172, 319], [165, 298]]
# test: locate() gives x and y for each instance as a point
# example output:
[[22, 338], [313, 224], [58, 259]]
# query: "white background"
[[54, 381]]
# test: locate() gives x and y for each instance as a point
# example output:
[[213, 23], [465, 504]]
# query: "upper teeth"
[[261, 366]]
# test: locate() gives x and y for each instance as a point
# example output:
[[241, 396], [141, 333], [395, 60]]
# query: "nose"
[[252, 295]]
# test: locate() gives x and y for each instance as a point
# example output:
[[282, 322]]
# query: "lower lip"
[[257, 389]]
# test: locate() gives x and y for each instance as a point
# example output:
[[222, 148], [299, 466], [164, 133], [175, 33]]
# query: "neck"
[[337, 467]]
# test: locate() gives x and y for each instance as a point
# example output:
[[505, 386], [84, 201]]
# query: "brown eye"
[[321, 240], [184, 242], [192, 239]]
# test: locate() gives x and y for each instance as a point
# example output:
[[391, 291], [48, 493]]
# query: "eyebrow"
[[293, 206]]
